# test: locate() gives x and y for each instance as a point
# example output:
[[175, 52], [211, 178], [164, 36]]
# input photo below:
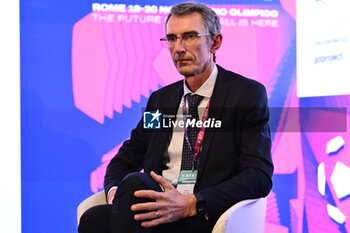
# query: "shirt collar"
[[207, 88]]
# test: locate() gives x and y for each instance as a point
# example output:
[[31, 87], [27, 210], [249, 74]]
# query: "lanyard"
[[200, 135]]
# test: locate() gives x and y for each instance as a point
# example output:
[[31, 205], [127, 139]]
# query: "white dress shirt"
[[173, 155]]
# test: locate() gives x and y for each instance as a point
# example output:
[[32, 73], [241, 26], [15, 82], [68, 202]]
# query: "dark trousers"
[[118, 218]]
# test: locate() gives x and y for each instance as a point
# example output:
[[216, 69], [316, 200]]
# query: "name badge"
[[186, 182]]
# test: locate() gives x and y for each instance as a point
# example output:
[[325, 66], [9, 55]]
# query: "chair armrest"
[[244, 217], [94, 200]]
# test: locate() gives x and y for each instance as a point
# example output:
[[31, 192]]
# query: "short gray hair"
[[210, 18]]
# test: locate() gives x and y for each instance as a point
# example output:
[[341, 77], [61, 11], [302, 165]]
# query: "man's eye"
[[191, 36], [171, 38]]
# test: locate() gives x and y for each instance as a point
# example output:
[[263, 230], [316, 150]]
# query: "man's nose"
[[179, 46]]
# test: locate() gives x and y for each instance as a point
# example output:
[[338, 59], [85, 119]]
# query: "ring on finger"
[[157, 214]]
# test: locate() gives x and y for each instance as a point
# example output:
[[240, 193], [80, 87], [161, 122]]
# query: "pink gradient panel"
[[108, 108], [239, 53], [90, 68], [274, 228], [272, 214], [120, 52], [289, 159], [290, 7], [316, 211], [98, 175], [318, 143], [164, 66]]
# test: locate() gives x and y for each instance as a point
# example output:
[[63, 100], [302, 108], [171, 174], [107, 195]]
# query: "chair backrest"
[[94, 200], [247, 216]]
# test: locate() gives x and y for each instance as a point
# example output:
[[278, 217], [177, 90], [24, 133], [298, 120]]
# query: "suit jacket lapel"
[[215, 110], [169, 106], [172, 103]]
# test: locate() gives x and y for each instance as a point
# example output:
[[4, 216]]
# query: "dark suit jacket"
[[235, 161]]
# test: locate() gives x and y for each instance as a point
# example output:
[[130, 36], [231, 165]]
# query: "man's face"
[[191, 59]]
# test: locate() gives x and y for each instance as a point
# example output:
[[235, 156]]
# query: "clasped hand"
[[169, 206]]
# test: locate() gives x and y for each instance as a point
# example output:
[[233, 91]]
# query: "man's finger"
[[154, 222], [148, 194], [146, 206], [163, 182], [146, 216]]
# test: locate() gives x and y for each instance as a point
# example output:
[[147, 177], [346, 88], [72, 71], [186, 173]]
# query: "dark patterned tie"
[[187, 156]]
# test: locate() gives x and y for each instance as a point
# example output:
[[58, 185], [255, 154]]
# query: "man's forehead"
[[179, 24]]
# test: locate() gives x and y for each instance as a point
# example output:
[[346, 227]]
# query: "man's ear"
[[217, 40]]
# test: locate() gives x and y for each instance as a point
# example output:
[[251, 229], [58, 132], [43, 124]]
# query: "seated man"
[[192, 175]]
